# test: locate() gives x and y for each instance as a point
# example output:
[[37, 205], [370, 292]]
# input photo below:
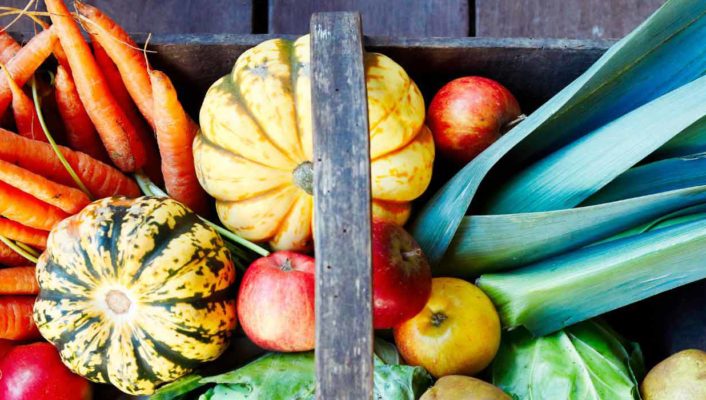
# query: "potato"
[[682, 376], [459, 387]]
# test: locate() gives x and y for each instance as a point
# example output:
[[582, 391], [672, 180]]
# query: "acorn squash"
[[135, 292], [254, 152]]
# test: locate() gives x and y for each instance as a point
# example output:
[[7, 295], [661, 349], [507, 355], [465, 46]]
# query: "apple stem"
[[513, 123], [406, 255], [438, 318], [286, 265]]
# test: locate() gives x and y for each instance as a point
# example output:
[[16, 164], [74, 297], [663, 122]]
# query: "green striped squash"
[[135, 292]]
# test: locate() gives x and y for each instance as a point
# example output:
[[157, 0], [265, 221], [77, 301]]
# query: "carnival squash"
[[254, 152], [135, 292]]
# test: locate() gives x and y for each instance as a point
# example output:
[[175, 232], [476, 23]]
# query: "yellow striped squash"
[[135, 292], [254, 152]]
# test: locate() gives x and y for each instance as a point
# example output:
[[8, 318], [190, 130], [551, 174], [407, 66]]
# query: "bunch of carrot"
[[111, 106]]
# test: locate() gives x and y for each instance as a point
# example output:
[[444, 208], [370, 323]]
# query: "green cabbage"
[[587, 361], [276, 376]]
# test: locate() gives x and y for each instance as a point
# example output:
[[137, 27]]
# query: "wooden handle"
[[344, 329]]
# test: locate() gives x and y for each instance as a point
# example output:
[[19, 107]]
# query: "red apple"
[[468, 114], [276, 302], [35, 372], [401, 275]]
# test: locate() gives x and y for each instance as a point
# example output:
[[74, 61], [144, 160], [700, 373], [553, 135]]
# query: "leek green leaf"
[[662, 54], [570, 175], [587, 361], [655, 177], [688, 214], [489, 243], [552, 294], [691, 141]]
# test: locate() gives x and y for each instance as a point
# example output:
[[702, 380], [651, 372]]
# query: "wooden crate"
[[533, 69]]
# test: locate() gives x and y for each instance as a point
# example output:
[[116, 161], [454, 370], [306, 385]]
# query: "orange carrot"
[[66, 198], [23, 65], [59, 53], [18, 232], [18, 280], [9, 257], [80, 132], [101, 179], [27, 210], [122, 97], [175, 136], [26, 118], [8, 47], [16, 322], [125, 54], [115, 129]]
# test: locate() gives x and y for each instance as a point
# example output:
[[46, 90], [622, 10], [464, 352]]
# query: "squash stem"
[[18, 249], [53, 144]]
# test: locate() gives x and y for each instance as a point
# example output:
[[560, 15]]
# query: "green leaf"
[[386, 351], [285, 376], [555, 293], [568, 176], [274, 376], [662, 54], [490, 243], [691, 141], [655, 177], [399, 382], [177, 389], [688, 214], [587, 361]]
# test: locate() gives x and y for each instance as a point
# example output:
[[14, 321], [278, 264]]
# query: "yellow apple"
[[456, 333]]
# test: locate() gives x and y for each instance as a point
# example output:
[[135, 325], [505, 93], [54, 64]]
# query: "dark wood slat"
[[411, 18], [344, 333], [167, 16], [561, 18]]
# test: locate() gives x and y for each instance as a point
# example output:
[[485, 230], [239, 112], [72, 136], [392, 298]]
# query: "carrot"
[[115, 129], [125, 54], [18, 280], [18, 232], [16, 322], [101, 179], [66, 198], [175, 136], [122, 97], [8, 47], [9, 257], [27, 210], [59, 53], [80, 132], [26, 118], [23, 65]]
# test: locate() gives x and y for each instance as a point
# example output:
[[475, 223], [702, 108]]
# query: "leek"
[[663, 54], [490, 243], [655, 177], [568, 176], [555, 293]]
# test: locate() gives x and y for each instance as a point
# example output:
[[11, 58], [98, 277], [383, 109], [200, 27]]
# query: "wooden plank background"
[[576, 19], [344, 320], [384, 18], [597, 19]]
